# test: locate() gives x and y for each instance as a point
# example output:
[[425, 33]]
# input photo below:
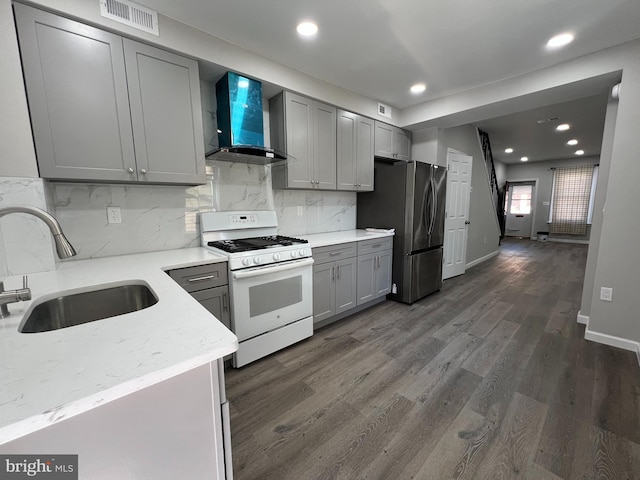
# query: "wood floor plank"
[[484, 357], [512, 455], [460, 448]]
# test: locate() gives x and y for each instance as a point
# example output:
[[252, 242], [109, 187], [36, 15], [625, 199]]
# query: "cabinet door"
[[77, 90], [324, 146], [383, 273], [346, 284], [402, 144], [364, 154], [164, 91], [384, 140], [366, 278], [216, 300], [323, 291], [299, 140], [346, 150]]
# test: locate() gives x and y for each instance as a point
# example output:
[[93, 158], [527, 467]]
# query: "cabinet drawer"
[[375, 245], [334, 252], [193, 279]]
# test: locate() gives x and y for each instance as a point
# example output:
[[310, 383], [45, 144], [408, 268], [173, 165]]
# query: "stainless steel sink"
[[76, 307]]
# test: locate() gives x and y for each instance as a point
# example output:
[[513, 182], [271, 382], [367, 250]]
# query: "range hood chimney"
[[240, 124]]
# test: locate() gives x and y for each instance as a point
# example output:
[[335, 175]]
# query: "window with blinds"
[[571, 199]]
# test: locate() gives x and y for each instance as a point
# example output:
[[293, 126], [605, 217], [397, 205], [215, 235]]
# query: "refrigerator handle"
[[434, 204]]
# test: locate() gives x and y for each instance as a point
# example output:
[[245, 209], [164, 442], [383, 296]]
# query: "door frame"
[[534, 202]]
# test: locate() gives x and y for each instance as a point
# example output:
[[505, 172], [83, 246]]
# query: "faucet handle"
[[25, 282]]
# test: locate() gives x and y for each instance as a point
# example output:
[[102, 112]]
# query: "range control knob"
[[293, 254], [302, 252], [257, 260], [246, 262], [276, 257]]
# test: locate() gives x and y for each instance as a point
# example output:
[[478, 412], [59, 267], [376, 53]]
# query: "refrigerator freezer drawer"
[[423, 275]]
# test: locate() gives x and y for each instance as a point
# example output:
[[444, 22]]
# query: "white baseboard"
[[482, 259], [613, 341], [583, 319], [568, 240]]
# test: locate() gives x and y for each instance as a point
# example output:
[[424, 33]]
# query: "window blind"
[[570, 201]]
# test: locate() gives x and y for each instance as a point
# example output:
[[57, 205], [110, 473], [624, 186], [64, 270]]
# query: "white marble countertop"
[[345, 236], [48, 376]]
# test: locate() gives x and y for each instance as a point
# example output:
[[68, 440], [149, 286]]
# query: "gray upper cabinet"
[[306, 130], [164, 95], [104, 108], [355, 152], [392, 142]]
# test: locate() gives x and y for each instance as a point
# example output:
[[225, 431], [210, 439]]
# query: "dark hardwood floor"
[[491, 378]]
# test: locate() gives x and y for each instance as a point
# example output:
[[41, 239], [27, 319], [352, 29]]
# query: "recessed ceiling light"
[[524, 159], [562, 127], [560, 40], [307, 29], [579, 152], [573, 141], [418, 88], [508, 150]]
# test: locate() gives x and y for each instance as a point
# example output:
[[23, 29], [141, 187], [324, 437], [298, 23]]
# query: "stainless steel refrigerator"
[[409, 197]]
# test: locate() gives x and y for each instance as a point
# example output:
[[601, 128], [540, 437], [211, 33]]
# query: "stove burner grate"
[[255, 243]]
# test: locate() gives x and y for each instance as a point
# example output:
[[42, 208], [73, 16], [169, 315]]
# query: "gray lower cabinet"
[[392, 142], [105, 108], [374, 269], [334, 280], [208, 284], [355, 152], [306, 130]]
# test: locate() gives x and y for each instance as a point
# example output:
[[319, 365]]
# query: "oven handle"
[[279, 267]]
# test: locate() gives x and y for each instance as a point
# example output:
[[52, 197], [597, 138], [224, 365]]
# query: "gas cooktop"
[[255, 243]]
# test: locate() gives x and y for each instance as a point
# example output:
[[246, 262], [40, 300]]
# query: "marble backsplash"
[[154, 217]]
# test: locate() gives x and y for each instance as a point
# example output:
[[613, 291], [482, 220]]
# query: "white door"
[[519, 211], [457, 216]]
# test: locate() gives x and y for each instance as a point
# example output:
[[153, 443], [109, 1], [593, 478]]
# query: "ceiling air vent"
[[384, 110], [131, 14]]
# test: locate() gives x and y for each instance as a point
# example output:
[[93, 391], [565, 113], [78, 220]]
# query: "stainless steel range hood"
[[253, 154], [240, 123]]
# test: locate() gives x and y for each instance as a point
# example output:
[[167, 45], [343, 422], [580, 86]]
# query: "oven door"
[[268, 297]]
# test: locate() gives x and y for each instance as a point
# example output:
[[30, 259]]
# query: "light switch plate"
[[606, 294]]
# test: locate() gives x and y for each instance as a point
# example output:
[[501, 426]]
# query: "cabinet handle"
[[377, 245], [143, 171], [130, 170], [333, 254], [338, 267], [198, 279], [225, 302], [333, 274]]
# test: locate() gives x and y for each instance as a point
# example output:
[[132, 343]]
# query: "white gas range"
[[270, 281]]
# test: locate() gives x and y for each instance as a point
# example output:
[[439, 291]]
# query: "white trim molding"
[[613, 341], [481, 259], [583, 319]]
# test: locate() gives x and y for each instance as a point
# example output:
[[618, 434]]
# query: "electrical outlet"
[[114, 215], [606, 294]]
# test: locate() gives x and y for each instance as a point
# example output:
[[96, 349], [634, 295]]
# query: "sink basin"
[[75, 307]]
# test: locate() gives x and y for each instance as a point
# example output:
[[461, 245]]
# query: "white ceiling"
[[379, 48]]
